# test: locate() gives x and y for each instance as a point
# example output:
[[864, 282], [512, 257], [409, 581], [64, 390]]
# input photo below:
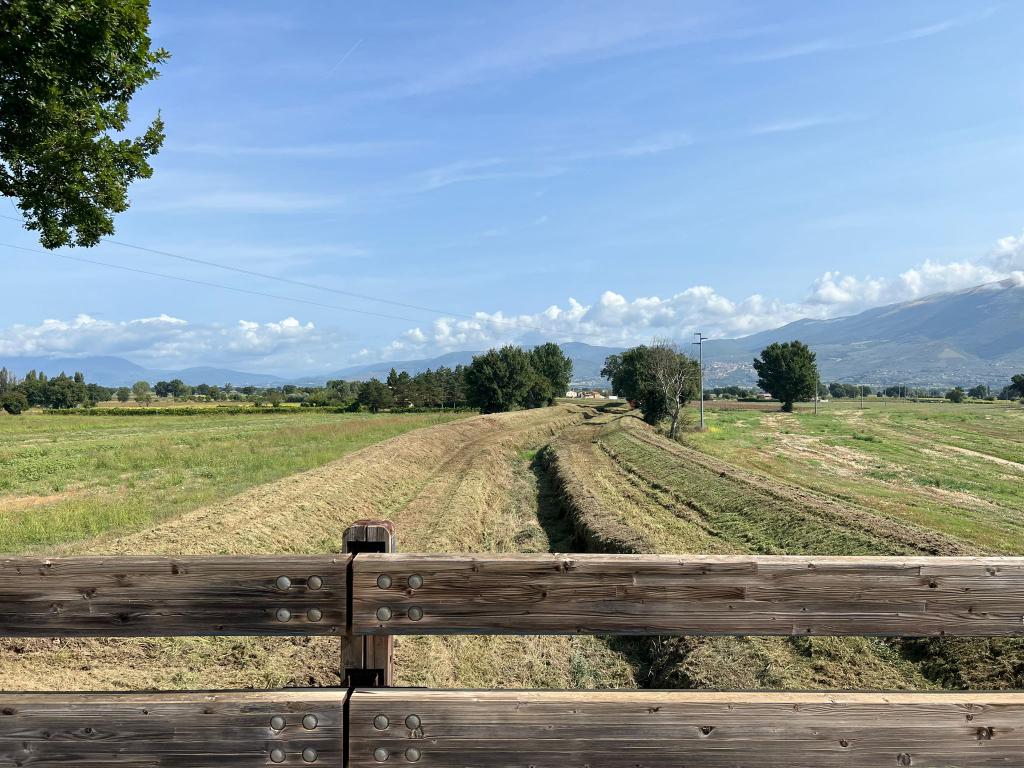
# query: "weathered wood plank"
[[674, 729], [368, 660], [173, 730], [687, 595], [164, 596]]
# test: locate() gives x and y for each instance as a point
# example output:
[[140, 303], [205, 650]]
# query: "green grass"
[[957, 469], [69, 478]]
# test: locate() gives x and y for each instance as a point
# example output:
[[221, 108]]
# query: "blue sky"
[[604, 172]]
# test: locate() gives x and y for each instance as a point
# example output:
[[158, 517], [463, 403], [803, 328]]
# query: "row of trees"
[[37, 390]]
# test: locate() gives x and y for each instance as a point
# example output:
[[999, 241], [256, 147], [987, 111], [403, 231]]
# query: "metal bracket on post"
[[367, 661]]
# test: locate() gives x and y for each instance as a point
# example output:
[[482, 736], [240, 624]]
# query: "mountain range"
[[973, 336]]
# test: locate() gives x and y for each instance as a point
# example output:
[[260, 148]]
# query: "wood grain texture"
[[684, 729], [165, 596], [689, 595], [171, 730], [365, 659]]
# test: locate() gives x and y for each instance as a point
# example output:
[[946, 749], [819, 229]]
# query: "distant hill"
[[118, 372], [974, 336], [966, 337]]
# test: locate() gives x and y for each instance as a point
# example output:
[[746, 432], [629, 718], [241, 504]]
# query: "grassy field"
[[774, 483], [930, 479], [66, 478], [956, 469]]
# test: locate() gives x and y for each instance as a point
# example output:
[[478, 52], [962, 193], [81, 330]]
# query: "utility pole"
[[699, 343]]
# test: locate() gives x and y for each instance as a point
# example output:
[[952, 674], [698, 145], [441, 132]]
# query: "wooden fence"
[[369, 593]]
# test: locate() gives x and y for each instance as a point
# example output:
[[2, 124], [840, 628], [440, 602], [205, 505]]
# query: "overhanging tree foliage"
[[68, 71], [788, 371]]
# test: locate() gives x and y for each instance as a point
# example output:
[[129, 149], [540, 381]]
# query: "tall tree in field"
[[499, 380], [1017, 384], [788, 371], [374, 395], [141, 392], [68, 71], [554, 372], [675, 376], [660, 379]]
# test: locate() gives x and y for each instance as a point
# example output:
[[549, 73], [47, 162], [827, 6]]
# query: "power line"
[[513, 323], [266, 276], [207, 284]]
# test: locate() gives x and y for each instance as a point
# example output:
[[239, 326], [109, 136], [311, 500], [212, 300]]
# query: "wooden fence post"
[[367, 661]]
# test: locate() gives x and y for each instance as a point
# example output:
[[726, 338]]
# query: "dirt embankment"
[[627, 489], [458, 487]]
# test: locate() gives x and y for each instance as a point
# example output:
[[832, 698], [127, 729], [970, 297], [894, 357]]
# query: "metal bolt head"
[[415, 613], [283, 614], [309, 755], [314, 582], [309, 722], [412, 722], [383, 581], [314, 614], [283, 583], [277, 723], [412, 754], [381, 722], [277, 755], [415, 581], [383, 613], [380, 754]]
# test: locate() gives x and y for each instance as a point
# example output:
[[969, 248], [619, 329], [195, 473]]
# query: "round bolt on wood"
[[415, 613], [309, 722], [412, 722], [383, 581], [277, 723], [309, 755], [283, 583], [384, 613], [412, 754], [381, 723], [380, 754], [277, 755], [314, 582], [415, 581], [314, 614], [283, 614]]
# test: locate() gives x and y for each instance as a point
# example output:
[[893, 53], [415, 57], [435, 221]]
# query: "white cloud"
[[614, 319], [168, 342], [291, 347]]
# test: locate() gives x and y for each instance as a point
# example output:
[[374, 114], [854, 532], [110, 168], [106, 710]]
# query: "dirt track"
[[463, 486]]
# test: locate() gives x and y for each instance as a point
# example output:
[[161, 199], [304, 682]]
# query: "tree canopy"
[[660, 379], [67, 74], [788, 371]]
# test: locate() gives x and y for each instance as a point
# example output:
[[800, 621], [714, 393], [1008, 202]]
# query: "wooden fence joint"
[[367, 662]]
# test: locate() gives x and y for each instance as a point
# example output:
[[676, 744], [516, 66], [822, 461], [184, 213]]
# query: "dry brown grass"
[[458, 487]]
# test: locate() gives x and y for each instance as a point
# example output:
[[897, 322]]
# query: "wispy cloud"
[[351, 149], [834, 44], [523, 44], [656, 145], [489, 169], [801, 124]]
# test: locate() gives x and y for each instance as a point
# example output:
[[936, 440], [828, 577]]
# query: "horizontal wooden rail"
[[670, 729], [173, 730], [164, 596], [403, 594]]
